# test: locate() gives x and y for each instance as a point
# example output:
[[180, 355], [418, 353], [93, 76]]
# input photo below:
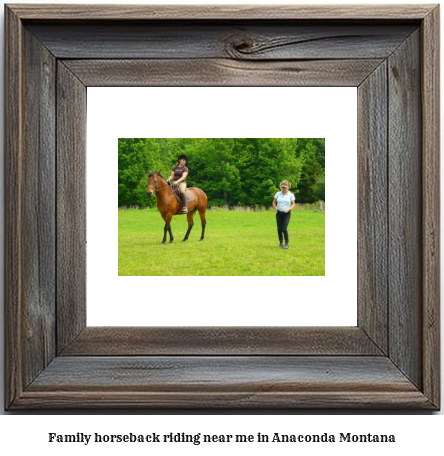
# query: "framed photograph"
[[389, 359]]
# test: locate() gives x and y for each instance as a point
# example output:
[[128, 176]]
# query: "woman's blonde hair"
[[286, 183]]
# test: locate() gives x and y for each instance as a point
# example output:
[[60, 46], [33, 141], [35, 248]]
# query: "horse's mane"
[[156, 172]]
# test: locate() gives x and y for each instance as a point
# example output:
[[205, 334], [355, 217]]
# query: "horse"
[[168, 204]]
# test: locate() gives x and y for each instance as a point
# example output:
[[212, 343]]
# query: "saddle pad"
[[188, 194]]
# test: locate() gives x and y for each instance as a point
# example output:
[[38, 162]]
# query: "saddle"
[[189, 195]]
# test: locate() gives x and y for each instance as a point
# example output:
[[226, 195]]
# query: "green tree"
[[319, 187], [267, 162], [136, 156], [312, 152], [213, 167], [233, 171]]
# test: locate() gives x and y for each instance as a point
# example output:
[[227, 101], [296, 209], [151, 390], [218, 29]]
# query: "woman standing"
[[283, 203], [179, 174]]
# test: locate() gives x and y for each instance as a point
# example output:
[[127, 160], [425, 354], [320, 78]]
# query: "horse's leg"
[[167, 228], [168, 221], [190, 216], [203, 221]]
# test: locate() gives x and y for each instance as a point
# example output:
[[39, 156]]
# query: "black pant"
[[282, 220]]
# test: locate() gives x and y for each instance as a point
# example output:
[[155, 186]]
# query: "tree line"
[[231, 171]]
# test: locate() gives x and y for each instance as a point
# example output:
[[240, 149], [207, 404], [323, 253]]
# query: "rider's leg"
[[182, 188]]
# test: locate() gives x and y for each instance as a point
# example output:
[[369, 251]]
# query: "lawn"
[[236, 244]]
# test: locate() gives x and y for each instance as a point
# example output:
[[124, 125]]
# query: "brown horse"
[[168, 204]]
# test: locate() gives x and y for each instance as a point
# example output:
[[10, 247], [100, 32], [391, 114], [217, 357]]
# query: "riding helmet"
[[182, 156]]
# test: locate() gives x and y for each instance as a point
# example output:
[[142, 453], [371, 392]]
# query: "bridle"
[[156, 188]]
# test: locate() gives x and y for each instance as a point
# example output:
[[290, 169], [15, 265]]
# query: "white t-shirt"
[[284, 201]]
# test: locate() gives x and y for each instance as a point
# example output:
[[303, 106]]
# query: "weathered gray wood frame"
[[390, 360]]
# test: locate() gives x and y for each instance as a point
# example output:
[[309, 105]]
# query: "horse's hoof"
[[162, 243], [200, 240], [170, 242], [183, 240]]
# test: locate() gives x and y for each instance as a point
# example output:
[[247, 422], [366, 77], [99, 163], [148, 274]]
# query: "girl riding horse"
[[179, 174], [168, 204]]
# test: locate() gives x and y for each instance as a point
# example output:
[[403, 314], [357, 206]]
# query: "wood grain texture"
[[372, 207], [209, 373], [71, 206], [430, 94], [38, 223], [221, 72], [220, 12], [127, 341], [233, 382], [258, 40], [30, 209], [405, 209], [89, 373], [247, 401], [13, 210]]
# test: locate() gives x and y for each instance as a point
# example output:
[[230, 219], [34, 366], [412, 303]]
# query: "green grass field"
[[236, 244]]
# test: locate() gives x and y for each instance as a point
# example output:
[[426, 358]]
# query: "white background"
[[253, 112], [416, 432]]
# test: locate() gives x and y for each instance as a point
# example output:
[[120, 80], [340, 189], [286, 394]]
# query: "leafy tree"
[[319, 187], [233, 171], [312, 152], [136, 156]]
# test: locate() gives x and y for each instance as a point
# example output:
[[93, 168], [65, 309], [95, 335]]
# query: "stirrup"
[[184, 210]]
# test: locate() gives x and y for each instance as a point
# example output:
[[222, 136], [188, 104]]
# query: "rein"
[[156, 189]]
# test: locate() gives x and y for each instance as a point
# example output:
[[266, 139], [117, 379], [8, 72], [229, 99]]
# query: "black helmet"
[[182, 156]]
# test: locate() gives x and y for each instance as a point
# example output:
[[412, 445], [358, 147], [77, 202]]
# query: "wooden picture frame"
[[390, 360]]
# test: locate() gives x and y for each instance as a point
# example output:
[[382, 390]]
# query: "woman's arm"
[[292, 206], [184, 175], [274, 204]]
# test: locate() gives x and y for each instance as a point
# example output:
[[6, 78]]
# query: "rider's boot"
[[184, 203]]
